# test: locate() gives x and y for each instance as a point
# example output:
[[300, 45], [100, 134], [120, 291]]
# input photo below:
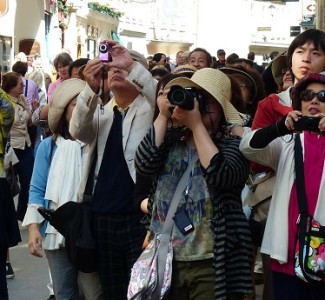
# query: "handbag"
[[151, 274], [258, 199], [10, 159], [310, 242]]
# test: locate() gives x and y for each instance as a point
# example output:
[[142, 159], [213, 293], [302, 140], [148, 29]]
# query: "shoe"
[[9, 271], [52, 297]]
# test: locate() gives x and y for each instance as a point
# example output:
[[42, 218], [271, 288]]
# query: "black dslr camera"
[[307, 123], [184, 97]]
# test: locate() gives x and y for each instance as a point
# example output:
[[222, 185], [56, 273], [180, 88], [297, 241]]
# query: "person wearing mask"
[[113, 132], [273, 146]]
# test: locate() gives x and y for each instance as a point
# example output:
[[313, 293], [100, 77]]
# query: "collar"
[[120, 109]]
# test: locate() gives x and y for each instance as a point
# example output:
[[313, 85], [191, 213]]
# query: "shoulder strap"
[[300, 177], [26, 87], [168, 226], [169, 222]]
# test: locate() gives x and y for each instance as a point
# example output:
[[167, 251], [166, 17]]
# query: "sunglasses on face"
[[309, 95]]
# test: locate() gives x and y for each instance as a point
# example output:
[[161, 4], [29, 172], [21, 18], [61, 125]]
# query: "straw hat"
[[217, 84], [278, 64], [302, 85], [62, 95], [185, 69]]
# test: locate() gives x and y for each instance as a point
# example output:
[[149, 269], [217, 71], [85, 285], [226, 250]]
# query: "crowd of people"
[[129, 128]]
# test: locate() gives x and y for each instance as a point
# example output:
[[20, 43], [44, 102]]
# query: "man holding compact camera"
[[113, 133]]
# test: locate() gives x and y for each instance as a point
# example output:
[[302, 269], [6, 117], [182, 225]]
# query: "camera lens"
[[103, 48], [178, 96]]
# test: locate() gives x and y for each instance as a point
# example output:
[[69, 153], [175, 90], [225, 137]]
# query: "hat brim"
[[278, 64], [232, 71], [80, 72], [208, 84]]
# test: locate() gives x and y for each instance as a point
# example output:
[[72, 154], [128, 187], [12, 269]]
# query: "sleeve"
[[148, 156], [142, 79], [264, 115], [142, 190], [82, 125], [40, 173], [229, 167], [267, 156], [36, 118]]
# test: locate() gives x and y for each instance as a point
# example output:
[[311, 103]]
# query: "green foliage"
[[63, 7], [105, 9]]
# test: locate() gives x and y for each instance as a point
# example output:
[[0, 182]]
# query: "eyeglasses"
[[309, 95]]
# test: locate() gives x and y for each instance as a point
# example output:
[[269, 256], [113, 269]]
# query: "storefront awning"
[[266, 49], [170, 48]]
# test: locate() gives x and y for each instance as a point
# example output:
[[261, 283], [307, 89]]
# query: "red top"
[[269, 111]]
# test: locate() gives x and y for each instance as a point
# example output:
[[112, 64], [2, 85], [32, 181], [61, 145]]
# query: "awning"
[[167, 47], [266, 49]]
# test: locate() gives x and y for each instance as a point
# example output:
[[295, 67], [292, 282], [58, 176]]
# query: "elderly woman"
[[213, 260], [273, 146], [13, 85], [55, 180]]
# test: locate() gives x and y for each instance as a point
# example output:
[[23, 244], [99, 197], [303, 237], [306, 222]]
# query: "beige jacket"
[[91, 124], [19, 136]]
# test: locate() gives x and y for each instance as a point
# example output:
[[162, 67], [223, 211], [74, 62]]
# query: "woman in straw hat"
[[55, 180], [213, 260]]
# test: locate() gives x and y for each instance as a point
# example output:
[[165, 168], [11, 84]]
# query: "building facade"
[[46, 27]]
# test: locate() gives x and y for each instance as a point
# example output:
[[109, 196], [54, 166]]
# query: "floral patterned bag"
[[144, 274], [310, 253]]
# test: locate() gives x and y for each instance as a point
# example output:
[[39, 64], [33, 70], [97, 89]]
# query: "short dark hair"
[[20, 67], [317, 37], [159, 71], [157, 57], [209, 56], [10, 80], [77, 63]]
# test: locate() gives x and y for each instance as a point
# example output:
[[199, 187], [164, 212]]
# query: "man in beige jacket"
[[113, 132]]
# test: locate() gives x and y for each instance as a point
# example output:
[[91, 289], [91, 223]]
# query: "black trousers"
[[290, 287], [119, 240]]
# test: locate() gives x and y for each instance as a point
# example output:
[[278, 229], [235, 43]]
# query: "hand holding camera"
[[104, 52], [295, 121], [112, 54]]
